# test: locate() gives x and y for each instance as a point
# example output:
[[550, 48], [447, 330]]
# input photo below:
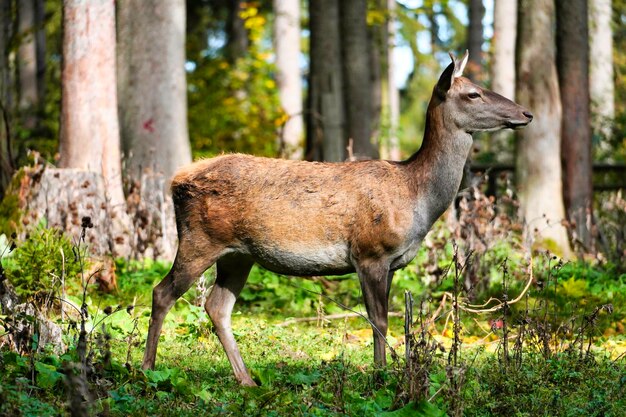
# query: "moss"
[[547, 244], [10, 212]]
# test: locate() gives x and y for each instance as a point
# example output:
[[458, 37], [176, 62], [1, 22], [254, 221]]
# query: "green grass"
[[308, 370]]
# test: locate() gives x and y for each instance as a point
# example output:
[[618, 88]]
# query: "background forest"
[[515, 304]]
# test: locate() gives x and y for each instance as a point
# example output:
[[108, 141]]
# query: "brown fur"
[[304, 218]]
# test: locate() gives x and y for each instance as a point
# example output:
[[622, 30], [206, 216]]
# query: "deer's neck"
[[437, 168]]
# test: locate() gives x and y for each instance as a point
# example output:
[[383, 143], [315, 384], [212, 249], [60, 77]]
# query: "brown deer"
[[311, 218]]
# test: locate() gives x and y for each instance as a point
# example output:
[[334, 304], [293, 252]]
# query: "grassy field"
[[568, 359]]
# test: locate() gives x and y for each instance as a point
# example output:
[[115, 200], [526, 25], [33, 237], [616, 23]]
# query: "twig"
[[394, 355], [471, 308], [328, 318]]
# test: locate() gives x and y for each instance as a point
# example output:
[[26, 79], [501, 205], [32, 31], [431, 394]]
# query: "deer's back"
[[299, 217]]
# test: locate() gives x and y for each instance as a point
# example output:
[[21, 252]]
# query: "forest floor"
[[324, 367]]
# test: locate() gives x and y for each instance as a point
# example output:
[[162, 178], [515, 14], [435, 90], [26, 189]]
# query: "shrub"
[[39, 265]]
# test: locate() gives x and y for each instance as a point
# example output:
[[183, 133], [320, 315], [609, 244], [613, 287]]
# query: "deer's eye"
[[473, 95]]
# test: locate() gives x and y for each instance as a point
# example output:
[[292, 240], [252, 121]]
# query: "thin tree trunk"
[[393, 95], [89, 126], [7, 167], [503, 69], [538, 161], [236, 33], [601, 82], [40, 40], [289, 80], [377, 57], [573, 68], [325, 129], [152, 86], [357, 78], [476, 12], [27, 63]]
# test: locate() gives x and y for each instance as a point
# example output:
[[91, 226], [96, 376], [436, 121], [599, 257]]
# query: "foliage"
[[44, 135], [234, 106], [38, 265], [10, 213], [326, 370], [617, 143]]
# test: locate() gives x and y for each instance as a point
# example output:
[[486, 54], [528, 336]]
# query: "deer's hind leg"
[[192, 259], [232, 273]]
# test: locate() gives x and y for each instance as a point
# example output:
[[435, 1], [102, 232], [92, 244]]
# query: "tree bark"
[[393, 95], [377, 63], [573, 69], [89, 137], [538, 161], [357, 78], [289, 80], [152, 86], [27, 63], [40, 41], [325, 129], [601, 81], [503, 69], [236, 33], [7, 167], [476, 12]]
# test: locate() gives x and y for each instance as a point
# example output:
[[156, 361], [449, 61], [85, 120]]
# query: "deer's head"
[[472, 108]]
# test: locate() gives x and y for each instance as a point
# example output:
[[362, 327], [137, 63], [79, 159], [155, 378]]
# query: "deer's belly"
[[305, 261]]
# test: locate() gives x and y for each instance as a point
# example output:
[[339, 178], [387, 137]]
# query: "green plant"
[[42, 263]]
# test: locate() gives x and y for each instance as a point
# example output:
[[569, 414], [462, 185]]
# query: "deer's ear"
[[459, 66], [445, 81]]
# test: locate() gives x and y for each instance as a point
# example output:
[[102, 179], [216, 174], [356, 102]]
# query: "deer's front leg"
[[375, 279]]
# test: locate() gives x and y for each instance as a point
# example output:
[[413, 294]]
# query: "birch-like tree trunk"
[[503, 69], [27, 62], [573, 69], [538, 160], [601, 81], [152, 86], [357, 77], [325, 129], [288, 77], [89, 125]]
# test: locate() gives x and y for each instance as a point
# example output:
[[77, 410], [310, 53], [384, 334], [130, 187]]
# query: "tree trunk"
[[40, 40], [573, 68], [601, 82], [289, 80], [89, 137], [538, 161], [357, 78], [236, 33], [503, 69], [325, 129], [476, 12], [27, 63], [377, 63], [7, 166], [393, 95], [152, 86]]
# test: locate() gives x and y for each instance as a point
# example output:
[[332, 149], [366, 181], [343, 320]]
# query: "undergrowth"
[[488, 331]]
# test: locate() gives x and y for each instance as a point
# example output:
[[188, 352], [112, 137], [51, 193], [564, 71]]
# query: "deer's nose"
[[528, 114]]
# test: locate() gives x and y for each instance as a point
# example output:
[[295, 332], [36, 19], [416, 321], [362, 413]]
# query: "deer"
[[302, 218]]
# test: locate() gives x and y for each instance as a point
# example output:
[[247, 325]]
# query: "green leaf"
[[47, 375], [302, 378], [421, 409], [574, 288]]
